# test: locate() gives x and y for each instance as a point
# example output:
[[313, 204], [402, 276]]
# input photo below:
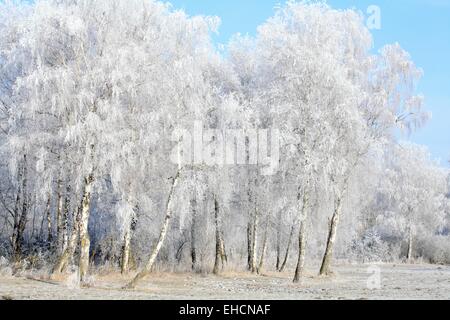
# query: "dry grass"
[[349, 282]]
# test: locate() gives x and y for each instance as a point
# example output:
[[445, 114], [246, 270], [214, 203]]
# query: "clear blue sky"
[[422, 27]]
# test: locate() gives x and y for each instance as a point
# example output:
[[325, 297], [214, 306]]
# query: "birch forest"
[[128, 138]]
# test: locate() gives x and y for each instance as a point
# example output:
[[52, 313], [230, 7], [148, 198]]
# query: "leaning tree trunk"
[[85, 241], [325, 269], [302, 238], [288, 248], [162, 236]]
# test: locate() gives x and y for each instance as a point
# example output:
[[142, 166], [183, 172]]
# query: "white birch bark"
[[325, 269], [162, 236], [254, 268], [299, 271], [264, 248], [85, 241]]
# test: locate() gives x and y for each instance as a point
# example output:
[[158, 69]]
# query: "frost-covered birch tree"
[[128, 140]]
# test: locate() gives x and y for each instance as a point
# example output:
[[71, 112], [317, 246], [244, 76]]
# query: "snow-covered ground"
[[349, 282]]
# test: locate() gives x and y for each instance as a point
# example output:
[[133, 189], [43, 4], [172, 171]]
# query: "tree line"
[[91, 94]]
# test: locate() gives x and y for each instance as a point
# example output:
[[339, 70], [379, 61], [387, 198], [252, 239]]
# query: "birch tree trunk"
[[49, 224], [16, 214], [264, 248], [59, 218], [299, 271], [21, 228], [254, 241], [249, 243], [250, 252], [65, 217], [41, 227], [328, 256], [223, 252], [288, 248], [277, 266], [410, 244], [162, 236], [64, 260], [126, 249], [20, 221], [85, 241], [193, 234], [218, 256], [33, 223], [325, 268]]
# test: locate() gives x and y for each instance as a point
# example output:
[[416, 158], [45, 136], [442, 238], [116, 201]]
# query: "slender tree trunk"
[[218, 255], [328, 256], [59, 218], [249, 243], [15, 232], [162, 236], [5, 224], [16, 214], [288, 248], [250, 252], [254, 262], [223, 252], [85, 241], [264, 247], [66, 257], [33, 224], [22, 225], [302, 254], [410, 244], [278, 264], [41, 228], [126, 249], [49, 224], [20, 222], [299, 271], [193, 234], [65, 217]]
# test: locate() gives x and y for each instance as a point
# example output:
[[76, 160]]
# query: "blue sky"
[[422, 27]]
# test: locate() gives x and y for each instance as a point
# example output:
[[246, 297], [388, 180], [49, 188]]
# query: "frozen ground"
[[349, 282]]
